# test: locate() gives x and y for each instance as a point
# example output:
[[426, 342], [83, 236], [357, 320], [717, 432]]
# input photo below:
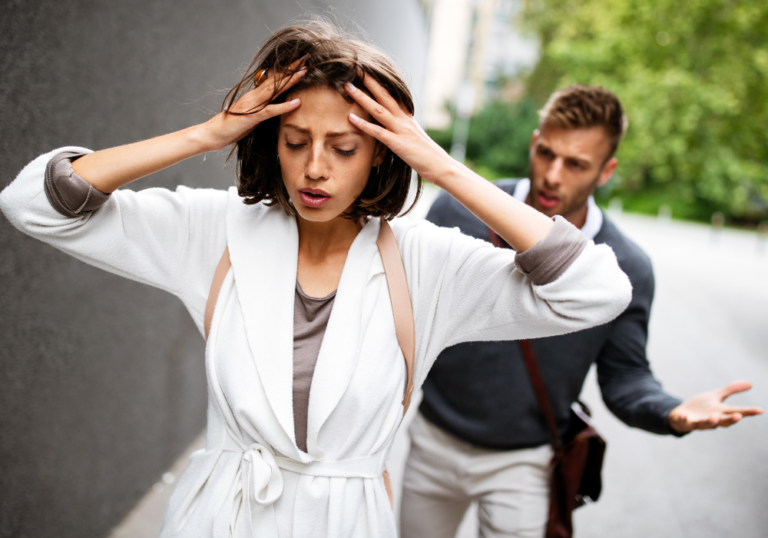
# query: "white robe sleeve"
[[166, 239], [464, 289]]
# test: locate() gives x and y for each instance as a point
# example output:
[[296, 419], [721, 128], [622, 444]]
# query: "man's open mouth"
[[547, 200]]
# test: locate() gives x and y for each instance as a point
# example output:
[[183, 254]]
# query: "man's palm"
[[708, 410]]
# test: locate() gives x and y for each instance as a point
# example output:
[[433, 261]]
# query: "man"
[[480, 434]]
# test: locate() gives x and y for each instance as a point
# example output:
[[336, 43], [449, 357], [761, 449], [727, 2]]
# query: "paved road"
[[709, 326]]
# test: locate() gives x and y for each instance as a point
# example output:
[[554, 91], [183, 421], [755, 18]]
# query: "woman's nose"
[[317, 167]]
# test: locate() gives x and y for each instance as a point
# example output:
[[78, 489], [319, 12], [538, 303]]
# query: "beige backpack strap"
[[402, 308], [218, 279], [400, 297]]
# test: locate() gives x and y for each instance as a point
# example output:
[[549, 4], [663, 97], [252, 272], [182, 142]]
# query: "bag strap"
[[402, 308], [541, 393], [400, 297], [533, 369]]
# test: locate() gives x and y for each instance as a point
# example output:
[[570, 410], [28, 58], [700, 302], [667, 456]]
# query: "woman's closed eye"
[[344, 152]]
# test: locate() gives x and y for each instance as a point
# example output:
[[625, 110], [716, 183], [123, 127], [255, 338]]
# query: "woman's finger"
[[381, 94], [298, 74], [375, 109], [271, 111], [377, 132], [254, 100]]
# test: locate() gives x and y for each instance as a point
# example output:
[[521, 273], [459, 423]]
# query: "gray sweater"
[[481, 393]]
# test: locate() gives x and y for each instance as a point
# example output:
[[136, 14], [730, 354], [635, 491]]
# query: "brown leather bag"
[[577, 459], [399, 296]]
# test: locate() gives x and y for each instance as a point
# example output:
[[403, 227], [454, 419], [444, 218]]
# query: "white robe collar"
[[263, 246]]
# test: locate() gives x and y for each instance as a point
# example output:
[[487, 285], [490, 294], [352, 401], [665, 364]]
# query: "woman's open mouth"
[[314, 197]]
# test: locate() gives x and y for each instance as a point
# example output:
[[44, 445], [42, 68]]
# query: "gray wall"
[[102, 382]]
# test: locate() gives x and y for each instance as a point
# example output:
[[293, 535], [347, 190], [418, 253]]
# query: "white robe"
[[251, 479]]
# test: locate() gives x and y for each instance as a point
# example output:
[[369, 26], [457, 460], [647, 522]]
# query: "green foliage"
[[498, 140], [693, 78], [648, 201], [499, 136]]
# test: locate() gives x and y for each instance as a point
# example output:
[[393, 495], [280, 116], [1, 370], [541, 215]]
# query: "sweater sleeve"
[[627, 384], [166, 239], [464, 289]]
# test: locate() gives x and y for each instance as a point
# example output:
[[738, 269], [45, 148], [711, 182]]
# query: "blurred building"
[[103, 381], [473, 45]]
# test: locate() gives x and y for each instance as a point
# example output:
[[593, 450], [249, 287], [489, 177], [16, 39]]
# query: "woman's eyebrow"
[[330, 134], [296, 128], [336, 134]]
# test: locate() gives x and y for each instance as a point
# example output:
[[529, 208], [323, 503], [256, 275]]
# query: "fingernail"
[[353, 117], [295, 101], [303, 70], [351, 88]]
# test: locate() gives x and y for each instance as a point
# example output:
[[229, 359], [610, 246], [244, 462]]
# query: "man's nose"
[[317, 167], [554, 175]]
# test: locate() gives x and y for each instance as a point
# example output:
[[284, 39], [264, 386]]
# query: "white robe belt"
[[370, 467], [262, 482]]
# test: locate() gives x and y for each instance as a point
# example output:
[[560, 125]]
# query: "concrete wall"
[[102, 381]]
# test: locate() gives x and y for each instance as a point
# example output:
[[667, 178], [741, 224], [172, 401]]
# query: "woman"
[[298, 432]]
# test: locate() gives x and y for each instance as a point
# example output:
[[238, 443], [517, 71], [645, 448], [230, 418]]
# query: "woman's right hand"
[[231, 125], [110, 169]]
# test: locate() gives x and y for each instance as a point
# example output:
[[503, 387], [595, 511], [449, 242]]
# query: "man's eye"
[[545, 152], [577, 165], [345, 152]]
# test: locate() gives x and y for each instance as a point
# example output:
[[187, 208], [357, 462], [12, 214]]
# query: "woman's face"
[[324, 159]]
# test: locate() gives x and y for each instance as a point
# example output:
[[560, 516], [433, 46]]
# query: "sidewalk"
[[145, 519]]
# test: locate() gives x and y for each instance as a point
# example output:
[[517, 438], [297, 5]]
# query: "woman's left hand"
[[517, 223], [399, 131]]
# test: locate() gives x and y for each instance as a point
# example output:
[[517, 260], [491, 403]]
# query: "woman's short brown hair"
[[333, 58]]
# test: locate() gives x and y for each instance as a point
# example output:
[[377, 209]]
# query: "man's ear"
[[608, 170]]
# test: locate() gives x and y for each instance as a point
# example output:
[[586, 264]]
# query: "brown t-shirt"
[[310, 318]]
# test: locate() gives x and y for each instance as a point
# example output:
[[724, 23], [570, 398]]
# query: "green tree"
[[693, 78]]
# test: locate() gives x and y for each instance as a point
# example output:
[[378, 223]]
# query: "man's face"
[[566, 165]]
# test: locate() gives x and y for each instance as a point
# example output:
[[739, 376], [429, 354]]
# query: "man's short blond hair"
[[582, 107]]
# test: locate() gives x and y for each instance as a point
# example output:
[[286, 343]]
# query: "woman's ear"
[[379, 152]]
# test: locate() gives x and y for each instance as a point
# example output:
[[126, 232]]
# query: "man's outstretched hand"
[[708, 410]]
